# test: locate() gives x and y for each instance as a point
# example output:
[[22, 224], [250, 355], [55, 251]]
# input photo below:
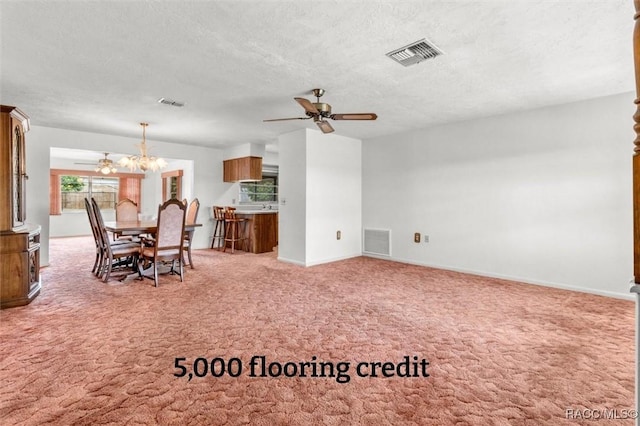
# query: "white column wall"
[[320, 183], [334, 197], [542, 196], [292, 178]]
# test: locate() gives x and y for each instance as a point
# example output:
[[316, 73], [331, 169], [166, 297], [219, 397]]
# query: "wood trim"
[[94, 173], [636, 150], [172, 173], [165, 177]]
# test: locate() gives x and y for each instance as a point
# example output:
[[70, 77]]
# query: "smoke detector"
[[414, 53]]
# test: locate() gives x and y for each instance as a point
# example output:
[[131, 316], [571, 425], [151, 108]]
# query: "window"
[[172, 185], [262, 192], [68, 189], [75, 188]]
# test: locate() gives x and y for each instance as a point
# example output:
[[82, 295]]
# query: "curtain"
[[55, 196], [129, 187]]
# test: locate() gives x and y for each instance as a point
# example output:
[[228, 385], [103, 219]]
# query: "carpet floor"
[[357, 342]]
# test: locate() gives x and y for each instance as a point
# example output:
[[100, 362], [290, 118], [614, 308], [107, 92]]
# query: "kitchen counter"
[[264, 211], [261, 229]]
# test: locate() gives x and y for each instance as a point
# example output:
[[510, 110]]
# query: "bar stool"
[[233, 232], [219, 228]]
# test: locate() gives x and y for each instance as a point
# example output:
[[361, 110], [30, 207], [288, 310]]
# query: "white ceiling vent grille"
[[377, 241], [415, 53], [171, 102]]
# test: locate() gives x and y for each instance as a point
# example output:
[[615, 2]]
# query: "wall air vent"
[[415, 53], [377, 242], [171, 102]]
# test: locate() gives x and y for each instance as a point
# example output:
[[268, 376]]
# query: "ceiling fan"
[[320, 111], [104, 166]]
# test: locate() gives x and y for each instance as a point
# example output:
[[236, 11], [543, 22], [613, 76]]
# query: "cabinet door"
[[250, 168], [244, 167], [18, 175], [255, 168], [34, 269], [230, 172]]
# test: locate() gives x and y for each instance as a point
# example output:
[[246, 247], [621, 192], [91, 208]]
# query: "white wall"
[[292, 183], [320, 193], [542, 196], [207, 183]]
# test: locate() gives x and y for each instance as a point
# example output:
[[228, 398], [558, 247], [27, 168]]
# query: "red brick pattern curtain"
[[130, 188], [55, 195]]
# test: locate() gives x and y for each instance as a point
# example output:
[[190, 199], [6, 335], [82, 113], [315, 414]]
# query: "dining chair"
[[98, 263], [218, 229], [192, 217], [168, 242], [126, 211], [116, 255], [96, 236]]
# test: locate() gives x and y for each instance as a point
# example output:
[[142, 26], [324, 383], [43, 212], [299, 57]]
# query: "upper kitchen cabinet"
[[244, 168]]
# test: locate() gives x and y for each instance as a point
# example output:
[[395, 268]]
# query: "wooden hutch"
[[19, 240]]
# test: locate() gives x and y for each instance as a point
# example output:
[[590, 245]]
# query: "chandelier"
[[142, 161], [106, 166]]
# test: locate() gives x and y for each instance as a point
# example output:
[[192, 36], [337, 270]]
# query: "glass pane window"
[[262, 192], [76, 188]]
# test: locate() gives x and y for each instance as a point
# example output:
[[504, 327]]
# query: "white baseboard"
[[513, 278], [295, 262], [317, 262], [332, 259]]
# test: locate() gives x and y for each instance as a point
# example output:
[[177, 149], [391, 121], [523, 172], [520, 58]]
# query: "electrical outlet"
[[426, 238], [338, 235], [416, 237]]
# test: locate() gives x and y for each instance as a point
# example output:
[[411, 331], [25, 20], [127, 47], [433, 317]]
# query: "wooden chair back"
[[92, 221], [192, 213], [218, 213], [126, 210], [170, 232], [103, 235], [229, 213]]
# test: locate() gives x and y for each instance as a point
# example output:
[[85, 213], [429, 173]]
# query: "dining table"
[[144, 227]]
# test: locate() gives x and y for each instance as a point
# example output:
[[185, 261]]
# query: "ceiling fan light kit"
[[105, 165], [321, 111]]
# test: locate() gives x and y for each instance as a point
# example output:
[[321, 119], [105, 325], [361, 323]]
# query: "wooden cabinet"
[[261, 231], [19, 240], [244, 168], [19, 266]]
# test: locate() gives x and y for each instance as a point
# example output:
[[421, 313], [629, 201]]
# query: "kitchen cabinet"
[[244, 168]]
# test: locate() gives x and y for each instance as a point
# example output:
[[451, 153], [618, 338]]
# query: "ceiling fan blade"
[[354, 116], [307, 105], [284, 119], [324, 126]]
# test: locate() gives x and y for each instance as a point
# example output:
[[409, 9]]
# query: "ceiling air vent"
[[171, 102], [415, 52]]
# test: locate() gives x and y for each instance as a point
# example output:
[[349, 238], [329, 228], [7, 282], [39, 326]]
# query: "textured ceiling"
[[102, 66]]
